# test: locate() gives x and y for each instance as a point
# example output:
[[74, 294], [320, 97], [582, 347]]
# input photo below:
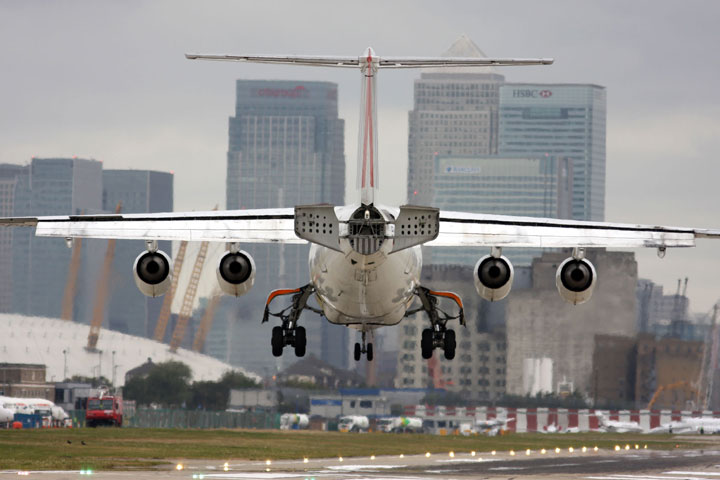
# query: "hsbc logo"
[[530, 93]]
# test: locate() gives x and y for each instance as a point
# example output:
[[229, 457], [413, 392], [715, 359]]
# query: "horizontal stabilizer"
[[381, 62]]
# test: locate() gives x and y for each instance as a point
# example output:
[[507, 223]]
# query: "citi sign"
[[529, 93]]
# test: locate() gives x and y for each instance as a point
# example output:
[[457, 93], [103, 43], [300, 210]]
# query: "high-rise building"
[[55, 186], [455, 113], [501, 185], [562, 120], [286, 148], [139, 191], [10, 177]]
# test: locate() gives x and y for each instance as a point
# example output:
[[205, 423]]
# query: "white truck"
[[294, 421], [400, 425], [354, 423]]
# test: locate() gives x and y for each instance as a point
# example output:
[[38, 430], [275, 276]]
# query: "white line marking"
[[683, 472]]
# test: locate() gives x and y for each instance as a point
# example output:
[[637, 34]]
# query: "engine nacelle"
[[152, 273], [493, 277], [575, 280], [236, 273]]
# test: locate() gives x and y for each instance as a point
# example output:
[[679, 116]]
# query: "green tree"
[[167, 384]]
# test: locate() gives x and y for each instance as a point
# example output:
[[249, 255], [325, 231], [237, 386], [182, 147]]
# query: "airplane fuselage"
[[365, 291]]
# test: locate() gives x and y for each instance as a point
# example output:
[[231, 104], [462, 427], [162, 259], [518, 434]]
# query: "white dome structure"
[[60, 345]]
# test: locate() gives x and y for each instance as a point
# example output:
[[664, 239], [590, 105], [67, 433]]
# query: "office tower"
[[455, 113], [285, 148], [501, 185], [562, 120], [10, 177], [140, 191], [55, 186]]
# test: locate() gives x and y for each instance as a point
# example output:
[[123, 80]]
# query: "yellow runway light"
[[557, 449], [472, 454], [571, 449], [452, 454], [543, 451], [427, 454], [179, 467], [527, 452]]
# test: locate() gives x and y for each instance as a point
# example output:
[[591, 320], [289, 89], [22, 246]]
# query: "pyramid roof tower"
[[463, 47]]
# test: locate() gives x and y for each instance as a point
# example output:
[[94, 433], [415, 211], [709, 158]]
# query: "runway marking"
[[256, 475], [362, 467], [508, 468], [645, 477]]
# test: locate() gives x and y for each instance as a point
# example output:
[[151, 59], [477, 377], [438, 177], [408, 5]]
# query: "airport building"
[[501, 185], [455, 113], [562, 120], [138, 191], [286, 148]]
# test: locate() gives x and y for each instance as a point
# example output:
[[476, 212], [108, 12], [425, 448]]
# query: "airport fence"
[[178, 418]]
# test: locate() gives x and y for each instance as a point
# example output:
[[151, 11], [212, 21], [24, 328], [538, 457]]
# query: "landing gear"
[[367, 349], [438, 335], [290, 333]]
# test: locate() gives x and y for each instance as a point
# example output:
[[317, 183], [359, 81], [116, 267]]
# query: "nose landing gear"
[[367, 349]]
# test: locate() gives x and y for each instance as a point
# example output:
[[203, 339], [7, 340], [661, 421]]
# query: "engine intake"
[[236, 273], [493, 277], [152, 273], [575, 280]]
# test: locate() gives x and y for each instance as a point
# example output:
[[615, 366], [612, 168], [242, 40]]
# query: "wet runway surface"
[[602, 465]]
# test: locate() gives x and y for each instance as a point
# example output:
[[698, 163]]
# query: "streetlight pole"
[[65, 365], [113, 369]]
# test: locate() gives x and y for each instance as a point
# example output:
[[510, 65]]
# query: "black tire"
[[369, 352], [357, 352], [300, 341], [449, 344], [426, 343], [277, 341]]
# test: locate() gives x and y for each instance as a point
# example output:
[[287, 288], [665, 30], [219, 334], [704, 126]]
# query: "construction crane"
[[164, 315], [102, 292], [672, 386], [188, 299], [71, 283], [206, 322]]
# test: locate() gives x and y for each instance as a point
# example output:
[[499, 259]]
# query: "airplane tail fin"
[[369, 63]]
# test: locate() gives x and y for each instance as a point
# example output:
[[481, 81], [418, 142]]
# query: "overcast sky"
[[108, 80]]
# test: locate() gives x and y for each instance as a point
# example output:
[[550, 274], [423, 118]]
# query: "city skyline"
[[162, 112]]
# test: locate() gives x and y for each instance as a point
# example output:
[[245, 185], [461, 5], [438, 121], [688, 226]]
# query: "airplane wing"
[[474, 229], [247, 226]]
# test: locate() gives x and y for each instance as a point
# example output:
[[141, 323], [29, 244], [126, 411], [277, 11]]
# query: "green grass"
[[131, 448]]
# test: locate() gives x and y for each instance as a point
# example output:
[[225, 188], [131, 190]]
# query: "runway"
[[600, 465]]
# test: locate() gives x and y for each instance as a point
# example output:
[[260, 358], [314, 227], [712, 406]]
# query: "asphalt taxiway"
[[531, 465]]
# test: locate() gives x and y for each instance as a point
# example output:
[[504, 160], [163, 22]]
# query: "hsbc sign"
[[531, 93]]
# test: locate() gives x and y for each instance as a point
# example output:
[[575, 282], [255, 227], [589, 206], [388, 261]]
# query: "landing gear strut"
[[290, 333], [438, 335], [366, 348]]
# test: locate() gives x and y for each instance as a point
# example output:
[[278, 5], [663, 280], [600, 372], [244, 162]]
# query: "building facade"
[[455, 113], [25, 380], [540, 324], [286, 148], [56, 186], [563, 120], [498, 185], [10, 177], [137, 191]]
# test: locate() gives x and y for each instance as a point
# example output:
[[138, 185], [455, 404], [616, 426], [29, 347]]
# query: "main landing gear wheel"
[[438, 335], [358, 352], [278, 341], [369, 352], [300, 341], [449, 344]]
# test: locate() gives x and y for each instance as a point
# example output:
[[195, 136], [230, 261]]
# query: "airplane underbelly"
[[365, 290]]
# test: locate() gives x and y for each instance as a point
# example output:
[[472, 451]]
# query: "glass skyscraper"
[[140, 191], [563, 120], [501, 185], [286, 148]]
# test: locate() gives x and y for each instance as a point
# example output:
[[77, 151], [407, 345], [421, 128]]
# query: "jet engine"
[[236, 273], [152, 273], [575, 280], [493, 277]]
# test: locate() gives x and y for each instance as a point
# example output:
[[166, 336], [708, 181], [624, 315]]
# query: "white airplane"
[[365, 258], [607, 425], [493, 426], [690, 425]]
